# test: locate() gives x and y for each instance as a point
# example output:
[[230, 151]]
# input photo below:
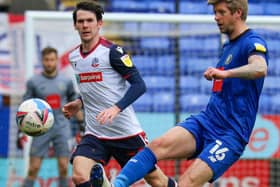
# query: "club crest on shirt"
[[95, 62], [126, 60], [228, 60]]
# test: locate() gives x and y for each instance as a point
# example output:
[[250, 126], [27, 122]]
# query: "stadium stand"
[[144, 103], [163, 101], [192, 103]]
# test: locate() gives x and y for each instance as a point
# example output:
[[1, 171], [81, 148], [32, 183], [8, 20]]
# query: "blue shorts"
[[218, 150], [102, 150]]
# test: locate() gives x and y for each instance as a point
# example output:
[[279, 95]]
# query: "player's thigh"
[[92, 148], [175, 143], [197, 174], [122, 150]]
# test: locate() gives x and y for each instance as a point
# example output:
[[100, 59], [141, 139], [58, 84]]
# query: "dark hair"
[[48, 50], [234, 5], [89, 6]]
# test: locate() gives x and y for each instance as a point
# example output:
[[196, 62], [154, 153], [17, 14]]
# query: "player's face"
[[224, 18], [87, 26], [50, 63]]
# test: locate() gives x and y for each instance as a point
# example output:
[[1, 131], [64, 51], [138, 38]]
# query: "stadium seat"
[[166, 65], [255, 9], [273, 44], [271, 8], [155, 27], [195, 28], [159, 83], [132, 27], [145, 64], [265, 104], [144, 103], [193, 102], [129, 6], [189, 84], [191, 44], [193, 7], [195, 65], [205, 85], [275, 104], [274, 66], [163, 102], [212, 43], [271, 85], [155, 43], [162, 6]]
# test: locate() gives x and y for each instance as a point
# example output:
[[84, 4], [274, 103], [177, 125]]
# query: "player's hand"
[[108, 115], [21, 140], [71, 108], [214, 73]]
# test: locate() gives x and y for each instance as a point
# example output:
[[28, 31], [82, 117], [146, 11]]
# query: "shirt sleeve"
[[122, 63], [29, 93], [71, 92], [257, 46]]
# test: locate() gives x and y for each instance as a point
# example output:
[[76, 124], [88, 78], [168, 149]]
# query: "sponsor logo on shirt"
[[126, 60], [90, 77], [54, 101]]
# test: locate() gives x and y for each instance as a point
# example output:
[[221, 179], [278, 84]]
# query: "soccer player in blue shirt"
[[102, 70], [218, 135]]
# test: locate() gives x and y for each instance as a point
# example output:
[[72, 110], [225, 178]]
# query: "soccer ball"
[[34, 117]]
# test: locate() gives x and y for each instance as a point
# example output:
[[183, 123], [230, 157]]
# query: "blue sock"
[[136, 168], [171, 183]]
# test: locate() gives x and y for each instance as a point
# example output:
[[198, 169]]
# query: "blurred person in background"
[[56, 90], [112, 129], [217, 136]]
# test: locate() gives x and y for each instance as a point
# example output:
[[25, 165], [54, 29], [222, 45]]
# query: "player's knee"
[[63, 170], [159, 146], [188, 180], [156, 182], [78, 178], [157, 178], [33, 171]]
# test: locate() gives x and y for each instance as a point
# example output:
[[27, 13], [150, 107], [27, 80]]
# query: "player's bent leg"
[[175, 143], [196, 175], [165, 147], [156, 178], [81, 171], [98, 176]]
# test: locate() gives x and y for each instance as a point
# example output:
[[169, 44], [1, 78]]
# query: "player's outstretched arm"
[[256, 68]]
